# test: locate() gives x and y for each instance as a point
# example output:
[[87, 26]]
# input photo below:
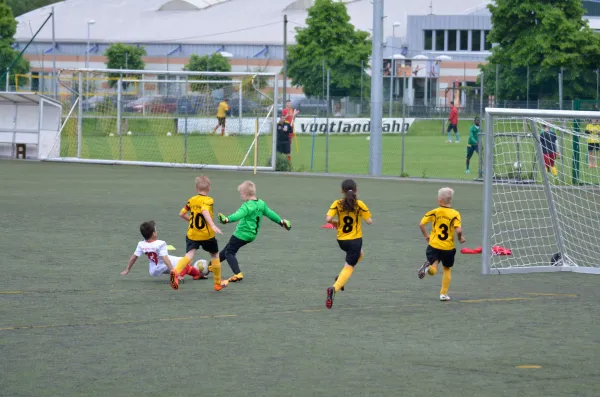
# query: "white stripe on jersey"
[[155, 251]]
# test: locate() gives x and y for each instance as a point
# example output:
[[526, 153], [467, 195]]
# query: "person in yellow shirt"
[[593, 131], [222, 115], [445, 222], [350, 212], [198, 212]]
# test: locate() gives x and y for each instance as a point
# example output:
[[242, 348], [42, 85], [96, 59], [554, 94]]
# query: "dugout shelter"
[[29, 126]]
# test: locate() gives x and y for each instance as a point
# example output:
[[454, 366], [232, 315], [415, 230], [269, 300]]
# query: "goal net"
[[168, 118], [541, 191]]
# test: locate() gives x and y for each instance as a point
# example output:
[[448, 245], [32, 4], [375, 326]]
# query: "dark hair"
[[147, 229], [349, 200]]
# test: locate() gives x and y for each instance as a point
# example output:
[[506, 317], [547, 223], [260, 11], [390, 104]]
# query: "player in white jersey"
[[159, 260]]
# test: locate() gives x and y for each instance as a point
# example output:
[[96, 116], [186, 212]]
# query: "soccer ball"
[[168, 134], [128, 132], [202, 266], [517, 166]]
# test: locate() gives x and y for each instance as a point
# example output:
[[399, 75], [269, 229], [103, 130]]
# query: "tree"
[[207, 63], [123, 56], [8, 28], [20, 7], [545, 35], [329, 36]]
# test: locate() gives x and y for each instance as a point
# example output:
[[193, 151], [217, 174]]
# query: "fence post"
[[327, 128], [80, 115], [560, 88], [7, 79], [119, 115], [185, 129], [403, 134]]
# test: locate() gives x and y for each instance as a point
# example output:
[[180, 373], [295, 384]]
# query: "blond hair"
[[202, 183], [445, 195], [248, 188]]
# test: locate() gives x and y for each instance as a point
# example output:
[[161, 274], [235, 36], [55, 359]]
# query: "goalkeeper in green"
[[249, 216]]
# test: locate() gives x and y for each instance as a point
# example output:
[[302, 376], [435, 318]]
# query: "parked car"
[[162, 105], [192, 104], [137, 106]]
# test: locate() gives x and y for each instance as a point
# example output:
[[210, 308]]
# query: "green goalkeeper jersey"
[[250, 216], [473, 135]]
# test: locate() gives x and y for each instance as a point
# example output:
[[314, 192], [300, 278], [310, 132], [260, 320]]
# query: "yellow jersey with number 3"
[[444, 220], [199, 229], [349, 222]]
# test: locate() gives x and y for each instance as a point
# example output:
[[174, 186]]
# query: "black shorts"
[[211, 246], [472, 149], [593, 146], [221, 121], [283, 141], [452, 127], [352, 248], [446, 257], [232, 247]]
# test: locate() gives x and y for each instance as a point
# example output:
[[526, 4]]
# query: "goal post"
[[168, 118], [541, 192]]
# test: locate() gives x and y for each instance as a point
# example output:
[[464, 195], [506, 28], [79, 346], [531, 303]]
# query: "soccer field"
[[71, 325]]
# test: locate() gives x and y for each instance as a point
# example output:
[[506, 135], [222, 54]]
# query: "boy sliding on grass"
[[159, 260], [250, 217], [446, 221]]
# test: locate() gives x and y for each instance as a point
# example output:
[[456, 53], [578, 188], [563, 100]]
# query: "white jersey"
[[155, 251]]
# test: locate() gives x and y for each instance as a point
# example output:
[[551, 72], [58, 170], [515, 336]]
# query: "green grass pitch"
[[71, 325]]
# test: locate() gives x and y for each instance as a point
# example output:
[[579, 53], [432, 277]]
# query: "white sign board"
[[302, 125]]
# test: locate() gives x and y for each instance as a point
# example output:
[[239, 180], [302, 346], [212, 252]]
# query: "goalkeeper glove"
[[223, 219], [286, 224]]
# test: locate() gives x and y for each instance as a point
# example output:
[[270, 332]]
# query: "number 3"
[[444, 229]]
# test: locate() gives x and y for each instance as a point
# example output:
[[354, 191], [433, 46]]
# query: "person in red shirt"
[[289, 114], [453, 123]]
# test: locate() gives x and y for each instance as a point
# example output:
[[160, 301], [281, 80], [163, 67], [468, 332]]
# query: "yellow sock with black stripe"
[[182, 263], [215, 266], [446, 280], [343, 277]]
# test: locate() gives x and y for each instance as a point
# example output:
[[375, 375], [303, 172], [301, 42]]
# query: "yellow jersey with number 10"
[[199, 229], [445, 220], [349, 222]]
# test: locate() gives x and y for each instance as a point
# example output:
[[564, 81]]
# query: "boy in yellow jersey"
[[222, 115], [593, 131], [350, 213], [201, 233], [445, 221]]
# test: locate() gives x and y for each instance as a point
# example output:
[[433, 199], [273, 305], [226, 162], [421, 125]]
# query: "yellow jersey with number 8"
[[199, 229], [445, 220], [349, 222]]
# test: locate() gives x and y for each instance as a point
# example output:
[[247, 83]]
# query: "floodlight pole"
[[376, 90], [54, 77], [285, 23]]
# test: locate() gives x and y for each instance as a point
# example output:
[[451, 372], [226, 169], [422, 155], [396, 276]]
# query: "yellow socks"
[[343, 277], [183, 262], [432, 270], [446, 280], [216, 270], [554, 171]]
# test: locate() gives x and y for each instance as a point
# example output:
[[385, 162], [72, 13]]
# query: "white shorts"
[[162, 268]]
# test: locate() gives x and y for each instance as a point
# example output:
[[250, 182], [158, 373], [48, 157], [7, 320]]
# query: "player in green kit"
[[473, 144], [249, 216]]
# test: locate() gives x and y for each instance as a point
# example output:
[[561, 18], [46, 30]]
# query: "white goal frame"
[[174, 74], [528, 115]]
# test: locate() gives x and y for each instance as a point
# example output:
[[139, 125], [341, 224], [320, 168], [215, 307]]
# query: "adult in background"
[[283, 140], [222, 115], [289, 114], [453, 123]]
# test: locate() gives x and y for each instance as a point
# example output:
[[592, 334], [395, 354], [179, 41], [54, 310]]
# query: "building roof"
[[209, 21]]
